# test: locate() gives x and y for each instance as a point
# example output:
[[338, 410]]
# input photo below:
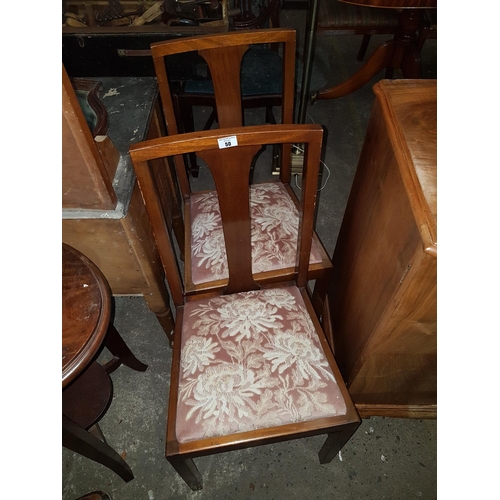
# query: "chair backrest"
[[230, 167], [223, 53]]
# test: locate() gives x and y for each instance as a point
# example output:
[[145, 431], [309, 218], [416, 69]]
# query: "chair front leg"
[[187, 469], [335, 442]]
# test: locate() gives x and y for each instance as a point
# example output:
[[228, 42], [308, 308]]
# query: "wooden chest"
[[382, 295]]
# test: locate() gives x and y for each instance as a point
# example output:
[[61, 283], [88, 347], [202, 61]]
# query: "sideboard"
[[383, 291]]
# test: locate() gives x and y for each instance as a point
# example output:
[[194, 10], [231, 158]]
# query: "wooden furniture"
[[119, 48], [251, 366], [205, 268], [87, 387], [382, 295], [103, 215], [261, 76], [339, 18], [400, 53], [265, 14], [237, 78]]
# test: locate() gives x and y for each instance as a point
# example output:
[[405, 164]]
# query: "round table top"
[[395, 4], [86, 312]]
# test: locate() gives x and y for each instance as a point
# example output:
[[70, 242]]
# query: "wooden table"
[[87, 387], [383, 291], [86, 312], [398, 53]]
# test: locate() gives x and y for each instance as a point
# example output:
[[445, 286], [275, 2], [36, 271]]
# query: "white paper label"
[[228, 142]]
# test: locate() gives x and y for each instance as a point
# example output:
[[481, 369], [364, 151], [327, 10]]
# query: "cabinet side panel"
[[85, 180], [376, 243], [400, 366], [412, 325]]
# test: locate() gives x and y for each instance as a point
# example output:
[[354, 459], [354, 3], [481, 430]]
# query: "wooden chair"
[[246, 77], [251, 365], [204, 270]]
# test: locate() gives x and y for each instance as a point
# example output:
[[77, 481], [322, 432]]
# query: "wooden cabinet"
[[382, 296], [105, 218]]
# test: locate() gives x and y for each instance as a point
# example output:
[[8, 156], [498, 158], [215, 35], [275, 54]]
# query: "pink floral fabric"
[[275, 222], [251, 360]]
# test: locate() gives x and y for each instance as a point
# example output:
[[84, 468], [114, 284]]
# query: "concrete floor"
[[385, 459]]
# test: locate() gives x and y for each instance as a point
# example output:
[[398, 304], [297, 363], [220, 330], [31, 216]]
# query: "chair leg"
[[80, 441], [364, 47], [122, 354], [319, 293], [335, 442], [186, 468]]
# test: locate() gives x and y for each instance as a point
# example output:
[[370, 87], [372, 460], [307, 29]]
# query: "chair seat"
[[251, 361], [338, 15], [274, 233], [261, 71]]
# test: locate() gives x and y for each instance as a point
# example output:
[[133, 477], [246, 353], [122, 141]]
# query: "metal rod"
[[312, 14]]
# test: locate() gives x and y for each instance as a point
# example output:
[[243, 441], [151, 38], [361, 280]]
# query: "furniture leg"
[[187, 469], [380, 59], [364, 47], [326, 323], [121, 352], [319, 293], [411, 66], [335, 442], [80, 441], [95, 430], [159, 303], [166, 321]]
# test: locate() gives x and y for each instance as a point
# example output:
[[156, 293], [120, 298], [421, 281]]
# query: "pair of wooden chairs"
[[251, 363], [274, 205]]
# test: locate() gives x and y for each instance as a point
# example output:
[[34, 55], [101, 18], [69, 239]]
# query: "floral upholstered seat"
[[249, 361], [275, 222]]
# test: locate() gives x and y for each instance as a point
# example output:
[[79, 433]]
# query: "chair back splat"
[[251, 364], [224, 54], [230, 169]]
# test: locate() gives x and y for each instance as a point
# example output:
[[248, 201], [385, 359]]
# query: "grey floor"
[[385, 459]]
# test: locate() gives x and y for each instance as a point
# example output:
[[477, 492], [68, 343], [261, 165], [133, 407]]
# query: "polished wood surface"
[[230, 168], [86, 309], [382, 295], [86, 400], [87, 388]]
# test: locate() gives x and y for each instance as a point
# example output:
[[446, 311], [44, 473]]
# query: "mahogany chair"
[[251, 364], [205, 266], [242, 72]]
